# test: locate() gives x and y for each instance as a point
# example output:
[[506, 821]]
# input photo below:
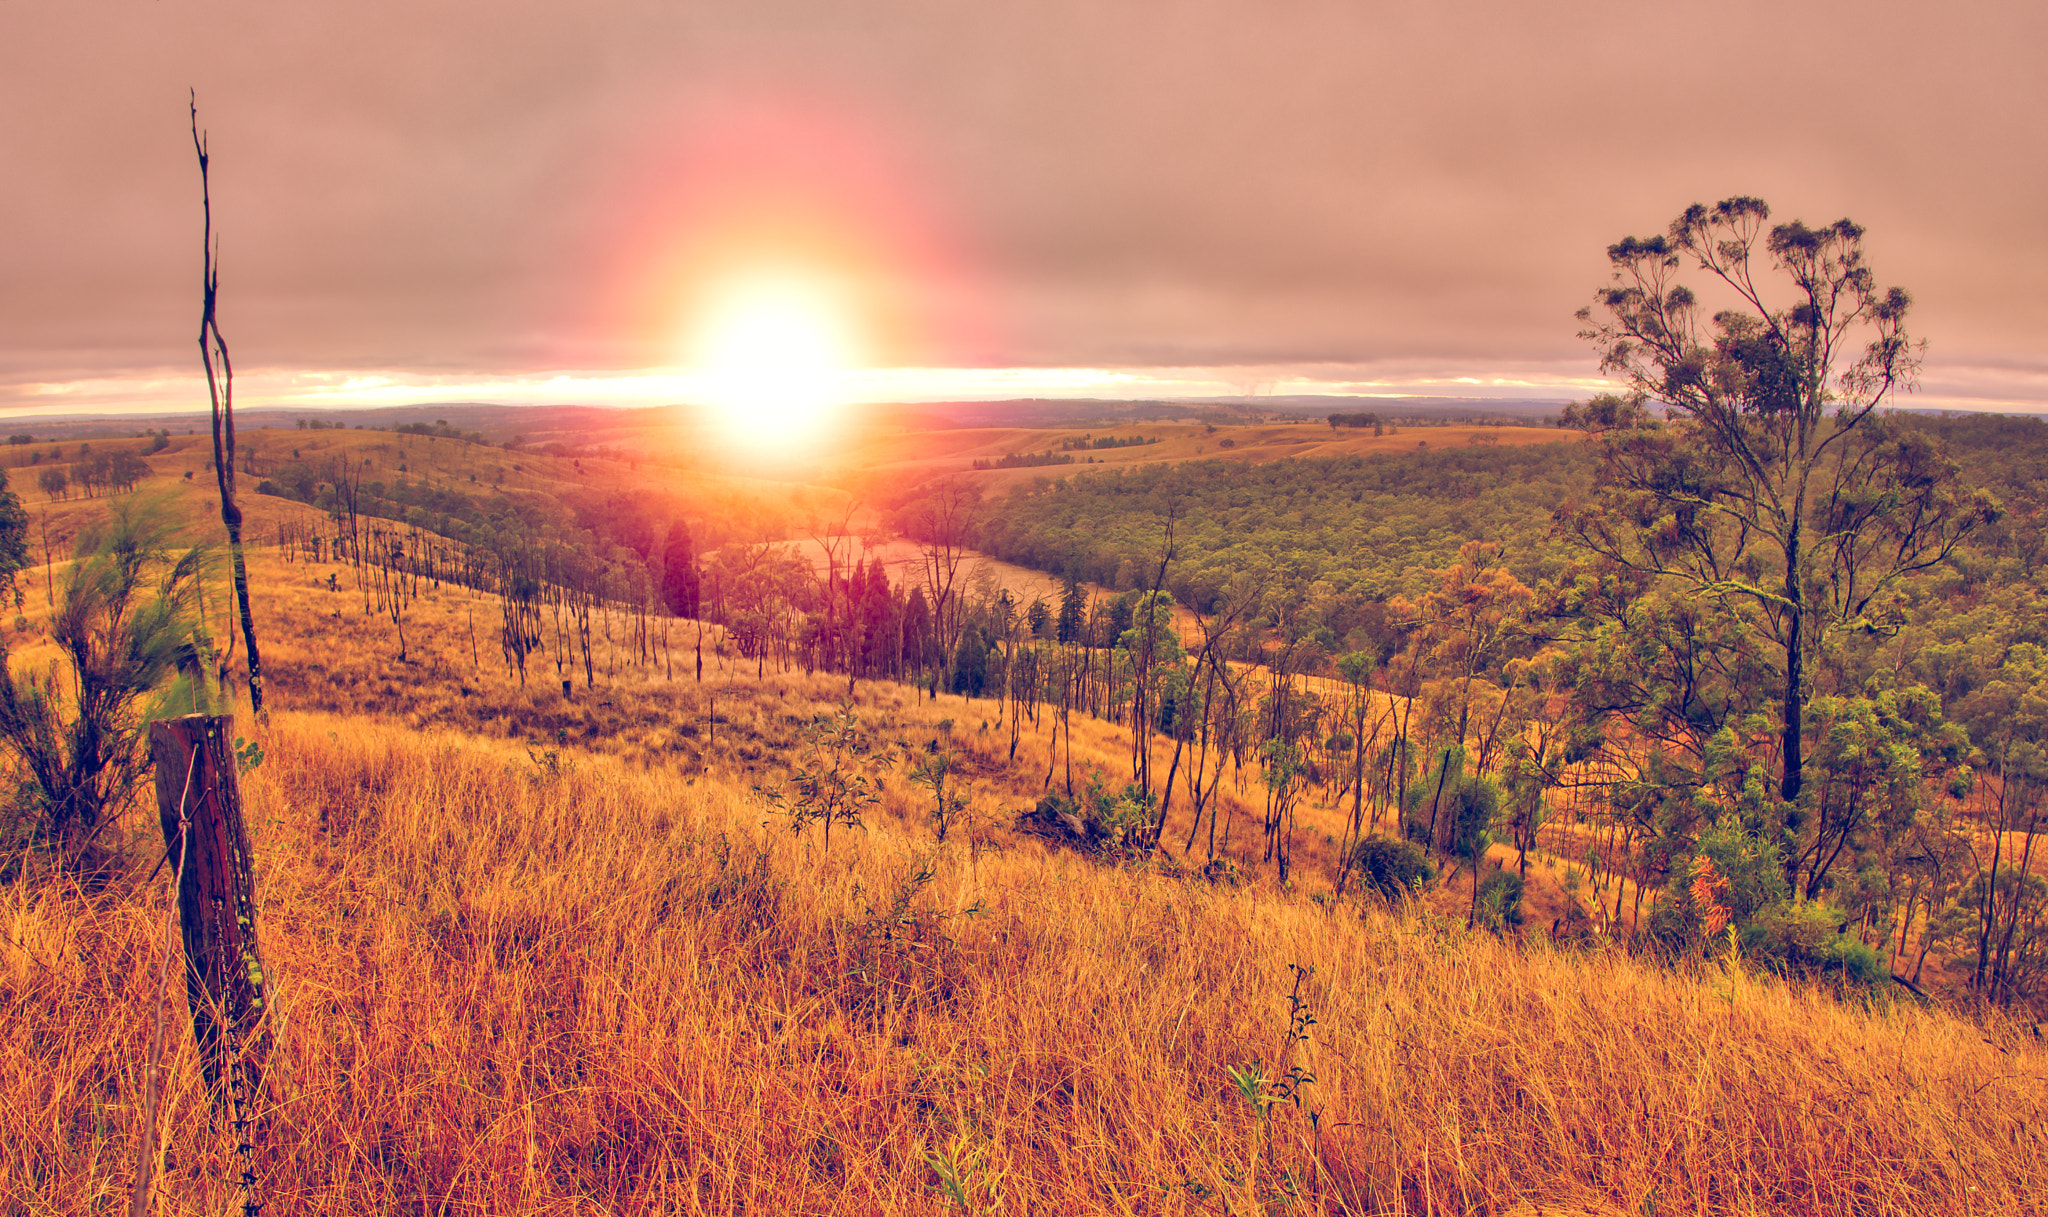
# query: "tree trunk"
[[1795, 664], [220, 388], [226, 985]]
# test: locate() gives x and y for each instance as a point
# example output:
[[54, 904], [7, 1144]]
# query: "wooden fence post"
[[225, 982]]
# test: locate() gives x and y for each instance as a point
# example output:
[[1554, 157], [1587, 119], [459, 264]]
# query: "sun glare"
[[772, 353]]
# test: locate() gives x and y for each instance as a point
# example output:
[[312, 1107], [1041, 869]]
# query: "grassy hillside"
[[537, 953], [570, 492], [737, 721], [579, 986]]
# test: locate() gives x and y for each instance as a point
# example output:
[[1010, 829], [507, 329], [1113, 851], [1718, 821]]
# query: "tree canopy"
[[1775, 499]]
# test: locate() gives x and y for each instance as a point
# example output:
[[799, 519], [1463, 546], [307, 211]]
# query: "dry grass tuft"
[[508, 987]]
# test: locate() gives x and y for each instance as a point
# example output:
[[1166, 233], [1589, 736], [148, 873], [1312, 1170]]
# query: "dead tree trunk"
[[220, 388], [226, 985]]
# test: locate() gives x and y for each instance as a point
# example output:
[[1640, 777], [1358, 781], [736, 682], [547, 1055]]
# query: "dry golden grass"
[[611, 981], [507, 987], [659, 715]]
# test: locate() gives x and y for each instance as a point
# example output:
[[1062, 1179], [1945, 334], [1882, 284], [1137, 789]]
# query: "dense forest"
[[1342, 533], [1361, 529]]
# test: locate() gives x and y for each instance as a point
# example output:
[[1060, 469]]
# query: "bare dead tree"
[[220, 390], [942, 526]]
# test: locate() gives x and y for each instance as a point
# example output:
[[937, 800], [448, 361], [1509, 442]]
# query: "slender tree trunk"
[[1795, 662], [2002, 978], [1472, 915], [220, 388], [1620, 888], [49, 570], [1906, 922], [1200, 770], [1987, 918], [1357, 828], [1067, 721]]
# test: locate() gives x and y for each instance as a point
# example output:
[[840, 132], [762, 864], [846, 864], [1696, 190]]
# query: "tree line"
[[98, 471]]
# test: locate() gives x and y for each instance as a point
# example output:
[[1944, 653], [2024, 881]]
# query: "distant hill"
[[1220, 411]]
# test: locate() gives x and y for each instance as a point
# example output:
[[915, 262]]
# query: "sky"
[[518, 201]]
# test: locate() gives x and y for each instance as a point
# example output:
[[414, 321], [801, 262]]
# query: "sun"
[[772, 351]]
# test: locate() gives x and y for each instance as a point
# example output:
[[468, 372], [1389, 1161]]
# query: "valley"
[[549, 931]]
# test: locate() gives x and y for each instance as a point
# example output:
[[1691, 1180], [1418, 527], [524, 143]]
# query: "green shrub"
[[1857, 961], [1500, 900], [1753, 871], [1392, 869], [1113, 827], [1811, 938], [1119, 823], [126, 622], [1449, 810]]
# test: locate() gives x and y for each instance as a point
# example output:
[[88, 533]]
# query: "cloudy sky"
[[526, 201]]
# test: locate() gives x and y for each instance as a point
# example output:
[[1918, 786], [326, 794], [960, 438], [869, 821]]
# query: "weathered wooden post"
[[226, 986]]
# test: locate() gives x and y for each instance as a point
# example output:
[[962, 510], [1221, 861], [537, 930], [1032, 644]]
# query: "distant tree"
[[92, 472], [1039, 618], [519, 603], [1776, 496], [2008, 716], [1162, 640], [1073, 620], [124, 469], [681, 583], [970, 663], [941, 522], [393, 572], [1467, 625], [918, 646], [55, 482]]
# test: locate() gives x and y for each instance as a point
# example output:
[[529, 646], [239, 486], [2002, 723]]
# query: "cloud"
[[469, 190]]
